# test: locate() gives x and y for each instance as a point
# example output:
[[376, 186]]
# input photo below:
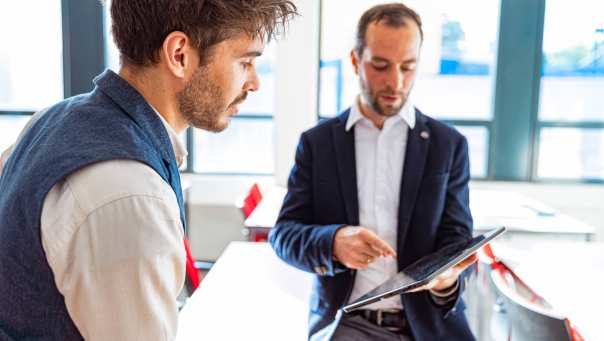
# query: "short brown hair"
[[394, 15], [140, 27]]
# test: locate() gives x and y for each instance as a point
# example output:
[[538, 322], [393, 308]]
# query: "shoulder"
[[325, 126], [106, 197], [104, 182]]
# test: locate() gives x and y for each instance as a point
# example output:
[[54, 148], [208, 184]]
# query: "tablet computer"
[[424, 270]]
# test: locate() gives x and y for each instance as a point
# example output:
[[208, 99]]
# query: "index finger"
[[379, 245]]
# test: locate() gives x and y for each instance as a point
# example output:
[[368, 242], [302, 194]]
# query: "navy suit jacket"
[[322, 197]]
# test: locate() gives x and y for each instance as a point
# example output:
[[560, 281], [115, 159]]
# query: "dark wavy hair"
[[139, 27]]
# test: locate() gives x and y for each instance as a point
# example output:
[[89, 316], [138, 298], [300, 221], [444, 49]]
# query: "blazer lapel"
[[418, 142], [346, 165]]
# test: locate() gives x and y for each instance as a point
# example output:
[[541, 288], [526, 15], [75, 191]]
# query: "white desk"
[[490, 208], [266, 213], [569, 276], [521, 214], [249, 294]]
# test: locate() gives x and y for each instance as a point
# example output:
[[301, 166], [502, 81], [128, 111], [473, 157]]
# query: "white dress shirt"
[[380, 155], [113, 238]]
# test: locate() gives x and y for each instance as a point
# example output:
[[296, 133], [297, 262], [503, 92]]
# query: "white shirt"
[[380, 155], [113, 238]]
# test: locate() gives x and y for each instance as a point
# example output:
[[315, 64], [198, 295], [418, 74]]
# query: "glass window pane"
[[10, 128], [573, 63], [246, 146], [31, 54], [570, 153], [458, 56], [112, 55], [478, 143]]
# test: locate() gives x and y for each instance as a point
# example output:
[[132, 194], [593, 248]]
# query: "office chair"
[[251, 200], [192, 278], [527, 316], [192, 272]]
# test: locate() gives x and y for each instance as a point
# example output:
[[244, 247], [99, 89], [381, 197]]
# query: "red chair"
[[247, 206], [528, 316], [251, 200], [192, 279]]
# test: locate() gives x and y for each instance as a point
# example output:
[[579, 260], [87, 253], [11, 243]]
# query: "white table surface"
[[494, 208], [249, 294], [490, 208]]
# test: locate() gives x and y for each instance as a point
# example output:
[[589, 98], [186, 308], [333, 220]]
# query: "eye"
[[379, 66], [247, 64], [408, 68]]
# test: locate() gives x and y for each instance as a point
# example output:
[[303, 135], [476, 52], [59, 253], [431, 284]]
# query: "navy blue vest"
[[111, 122]]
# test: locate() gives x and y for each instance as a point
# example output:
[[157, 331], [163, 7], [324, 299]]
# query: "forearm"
[[446, 296], [306, 246], [446, 300]]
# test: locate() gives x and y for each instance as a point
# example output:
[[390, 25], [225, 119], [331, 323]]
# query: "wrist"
[[446, 292]]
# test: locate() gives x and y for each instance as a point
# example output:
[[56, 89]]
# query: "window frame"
[[513, 132], [81, 64]]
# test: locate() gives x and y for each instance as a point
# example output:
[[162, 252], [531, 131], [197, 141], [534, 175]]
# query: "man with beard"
[[91, 209], [374, 190]]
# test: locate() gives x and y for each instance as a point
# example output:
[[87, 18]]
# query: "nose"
[[395, 79], [253, 82]]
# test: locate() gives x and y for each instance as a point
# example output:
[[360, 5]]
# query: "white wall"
[[297, 79]]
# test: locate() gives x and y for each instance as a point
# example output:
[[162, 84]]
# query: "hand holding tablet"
[[421, 274], [448, 278]]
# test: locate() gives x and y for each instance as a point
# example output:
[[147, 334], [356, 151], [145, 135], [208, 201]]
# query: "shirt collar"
[[407, 113], [180, 151]]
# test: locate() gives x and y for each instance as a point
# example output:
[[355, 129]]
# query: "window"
[[245, 147], [522, 80], [10, 128], [571, 153], [571, 111], [455, 74], [112, 54], [31, 75], [478, 145], [31, 61]]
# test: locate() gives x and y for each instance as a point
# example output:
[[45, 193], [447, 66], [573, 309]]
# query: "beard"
[[203, 102], [372, 98]]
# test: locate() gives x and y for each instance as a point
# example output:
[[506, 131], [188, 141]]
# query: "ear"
[[178, 55], [354, 59]]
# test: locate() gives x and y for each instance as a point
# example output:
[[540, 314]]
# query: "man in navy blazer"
[[374, 190]]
